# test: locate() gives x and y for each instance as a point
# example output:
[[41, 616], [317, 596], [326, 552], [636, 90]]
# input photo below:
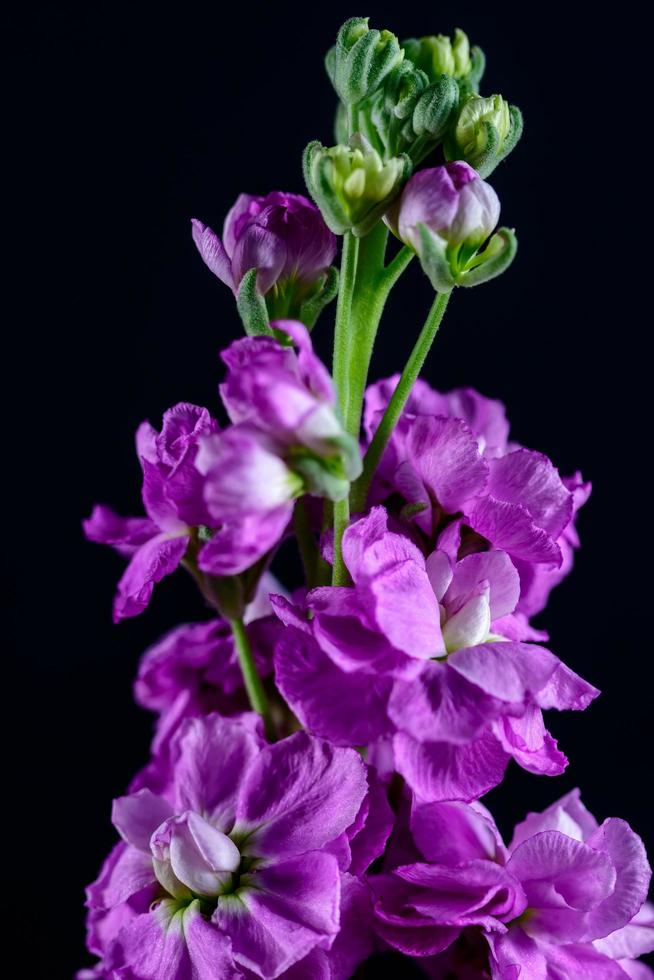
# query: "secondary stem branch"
[[253, 685], [398, 400]]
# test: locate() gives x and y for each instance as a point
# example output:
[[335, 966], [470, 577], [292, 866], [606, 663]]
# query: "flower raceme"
[[241, 863], [230, 493], [253, 848], [565, 899]]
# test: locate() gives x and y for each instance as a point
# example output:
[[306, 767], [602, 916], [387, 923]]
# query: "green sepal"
[[340, 124], [433, 110], [361, 228], [252, 306], [434, 261], [329, 475], [313, 306], [361, 59], [492, 148], [470, 84], [492, 261], [343, 212]]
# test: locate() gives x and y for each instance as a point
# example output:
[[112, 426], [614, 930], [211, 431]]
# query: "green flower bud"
[[351, 184], [434, 108], [440, 55], [361, 59], [485, 132]]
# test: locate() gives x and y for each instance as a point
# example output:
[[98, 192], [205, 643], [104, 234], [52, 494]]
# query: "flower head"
[[239, 859], [432, 652], [565, 897], [283, 237], [446, 214], [172, 494]]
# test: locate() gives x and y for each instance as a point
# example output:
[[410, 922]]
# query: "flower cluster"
[[313, 795]]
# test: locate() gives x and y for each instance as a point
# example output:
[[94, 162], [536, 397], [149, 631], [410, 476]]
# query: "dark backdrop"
[[127, 121]]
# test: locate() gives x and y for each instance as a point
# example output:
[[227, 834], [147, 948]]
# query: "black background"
[[128, 120]]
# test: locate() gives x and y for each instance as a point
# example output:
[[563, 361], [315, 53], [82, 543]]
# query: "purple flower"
[[173, 499], [445, 215], [238, 866], [431, 653], [282, 236], [452, 202], [564, 899], [469, 488], [285, 441]]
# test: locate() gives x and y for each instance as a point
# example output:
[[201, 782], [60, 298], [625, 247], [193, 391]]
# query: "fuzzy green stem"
[[253, 685], [340, 574], [343, 311], [373, 286], [398, 400]]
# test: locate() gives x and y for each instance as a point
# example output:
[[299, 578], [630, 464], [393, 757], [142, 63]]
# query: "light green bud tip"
[[450, 57], [438, 54], [470, 134], [361, 59], [351, 184], [485, 132]]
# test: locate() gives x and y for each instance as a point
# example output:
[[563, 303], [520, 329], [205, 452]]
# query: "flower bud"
[[361, 59], [485, 132], [446, 214], [351, 184], [283, 241], [441, 55]]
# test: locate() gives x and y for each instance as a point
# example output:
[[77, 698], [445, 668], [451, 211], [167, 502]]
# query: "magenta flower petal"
[[627, 853], [125, 534], [347, 708], [294, 908], [446, 456], [157, 558], [136, 817], [237, 546], [497, 569], [125, 872], [568, 815], [634, 939], [213, 252], [174, 944], [510, 527], [440, 771], [299, 794], [450, 833], [529, 478], [200, 784]]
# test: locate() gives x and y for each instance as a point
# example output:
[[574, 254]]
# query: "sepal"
[[486, 131], [351, 184], [361, 59], [492, 261], [252, 306], [433, 110], [313, 305], [434, 260]]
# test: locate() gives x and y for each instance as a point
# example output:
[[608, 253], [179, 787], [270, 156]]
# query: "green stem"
[[398, 400], [373, 286], [343, 310], [253, 686], [342, 358], [340, 574], [306, 541]]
